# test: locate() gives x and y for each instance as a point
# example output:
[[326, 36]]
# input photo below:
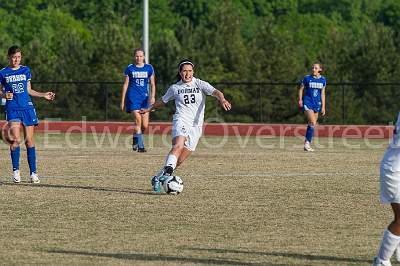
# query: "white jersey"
[[391, 159], [190, 99]]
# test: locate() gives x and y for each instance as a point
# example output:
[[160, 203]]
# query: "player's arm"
[[123, 94], [152, 89], [2, 94], [323, 101], [156, 105], [47, 95], [224, 102], [301, 90]]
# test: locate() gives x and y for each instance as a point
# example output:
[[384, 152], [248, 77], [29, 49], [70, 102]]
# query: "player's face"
[[316, 69], [186, 73], [139, 57], [15, 59]]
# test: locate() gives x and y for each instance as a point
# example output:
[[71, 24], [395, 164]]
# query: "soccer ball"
[[173, 185]]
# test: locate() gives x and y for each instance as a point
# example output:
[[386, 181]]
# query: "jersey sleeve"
[[151, 71], [303, 81], [126, 72], [28, 74], [206, 87], [168, 95]]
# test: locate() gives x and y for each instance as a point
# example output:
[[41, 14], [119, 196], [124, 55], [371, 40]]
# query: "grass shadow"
[[101, 189], [160, 258], [283, 254]]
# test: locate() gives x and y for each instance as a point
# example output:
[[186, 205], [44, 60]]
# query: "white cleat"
[[379, 262], [34, 178], [16, 177], [307, 146]]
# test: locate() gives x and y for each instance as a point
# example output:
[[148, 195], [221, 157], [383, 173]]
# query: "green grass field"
[[242, 204]]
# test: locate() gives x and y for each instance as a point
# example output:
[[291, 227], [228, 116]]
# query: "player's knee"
[[312, 123], [177, 148], [137, 128], [14, 143], [29, 143], [144, 128]]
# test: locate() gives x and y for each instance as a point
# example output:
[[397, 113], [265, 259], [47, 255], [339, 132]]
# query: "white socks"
[[171, 161], [388, 245]]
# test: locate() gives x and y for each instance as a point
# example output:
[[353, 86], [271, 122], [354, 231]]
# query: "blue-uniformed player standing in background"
[[312, 101], [135, 95], [15, 84]]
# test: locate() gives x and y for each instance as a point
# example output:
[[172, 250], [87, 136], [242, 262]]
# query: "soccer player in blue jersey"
[[15, 85], [135, 96], [312, 101]]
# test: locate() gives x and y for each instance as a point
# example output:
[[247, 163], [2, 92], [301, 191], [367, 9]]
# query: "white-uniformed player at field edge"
[[189, 94], [390, 193]]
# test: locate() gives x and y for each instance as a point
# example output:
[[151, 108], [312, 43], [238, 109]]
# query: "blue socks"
[[309, 133], [139, 138], [31, 155], [15, 158]]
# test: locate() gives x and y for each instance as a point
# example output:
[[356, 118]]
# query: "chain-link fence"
[[253, 102]]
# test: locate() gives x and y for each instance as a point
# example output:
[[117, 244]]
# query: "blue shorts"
[[136, 103], [27, 117], [307, 105]]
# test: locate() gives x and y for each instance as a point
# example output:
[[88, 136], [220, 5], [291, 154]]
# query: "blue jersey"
[[313, 87], [139, 78], [16, 81]]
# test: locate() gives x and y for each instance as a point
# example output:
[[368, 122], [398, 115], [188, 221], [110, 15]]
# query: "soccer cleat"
[[134, 147], [307, 146], [16, 176], [34, 178], [379, 262], [158, 179], [155, 181], [141, 150], [157, 186]]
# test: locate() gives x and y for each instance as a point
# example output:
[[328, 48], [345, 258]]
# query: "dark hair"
[[180, 65], [13, 50]]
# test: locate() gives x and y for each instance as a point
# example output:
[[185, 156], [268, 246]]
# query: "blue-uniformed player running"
[[312, 101], [135, 96], [15, 85]]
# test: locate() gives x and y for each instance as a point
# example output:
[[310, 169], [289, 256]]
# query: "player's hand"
[[322, 111], [226, 105], [152, 100], [9, 96], [49, 96], [300, 103], [143, 111]]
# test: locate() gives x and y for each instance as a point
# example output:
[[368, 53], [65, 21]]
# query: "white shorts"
[[390, 186], [192, 134]]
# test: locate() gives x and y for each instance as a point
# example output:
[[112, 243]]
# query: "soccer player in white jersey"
[[189, 94], [390, 194]]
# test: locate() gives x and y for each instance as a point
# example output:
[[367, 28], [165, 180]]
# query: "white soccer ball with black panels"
[[173, 185]]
